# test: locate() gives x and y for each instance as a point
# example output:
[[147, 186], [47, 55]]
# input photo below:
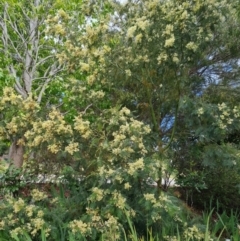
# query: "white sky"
[[123, 1]]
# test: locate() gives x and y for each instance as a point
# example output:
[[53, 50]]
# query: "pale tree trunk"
[[23, 46], [16, 154]]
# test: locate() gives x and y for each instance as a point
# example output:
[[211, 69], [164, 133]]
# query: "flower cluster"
[[83, 127], [194, 233], [55, 25], [124, 152], [25, 111], [46, 131], [38, 195], [23, 217], [78, 226], [227, 116]]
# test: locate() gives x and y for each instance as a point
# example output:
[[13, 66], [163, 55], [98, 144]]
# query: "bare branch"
[[87, 108], [15, 49], [20, 91], [5, 31], [15, 27], [5, 35], [17, 86], [30, 68], [35, 58], [51, 72], [39, 78], [41, 61], [24, 13], [13, 71], [43, 89]]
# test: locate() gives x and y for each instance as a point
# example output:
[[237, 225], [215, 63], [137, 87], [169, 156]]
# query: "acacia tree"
[[28, 53], [149, 56]]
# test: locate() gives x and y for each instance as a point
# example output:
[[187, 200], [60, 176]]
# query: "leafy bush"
[[61, 216]]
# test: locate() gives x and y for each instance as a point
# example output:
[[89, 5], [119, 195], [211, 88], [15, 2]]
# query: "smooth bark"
[[16, 153]]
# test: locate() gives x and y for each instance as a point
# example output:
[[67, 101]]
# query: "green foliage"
[[69, 213], [10, 181], [223, 225], [208, 150], [4, 146], [55, 218]]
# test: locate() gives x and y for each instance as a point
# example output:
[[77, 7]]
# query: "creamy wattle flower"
[[170, 42]]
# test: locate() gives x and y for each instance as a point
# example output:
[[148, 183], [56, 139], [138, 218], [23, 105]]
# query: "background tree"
[[207, 135], [151, 57], [28, 53]]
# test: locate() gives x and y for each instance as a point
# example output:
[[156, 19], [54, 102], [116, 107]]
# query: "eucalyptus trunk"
[[16, 153]]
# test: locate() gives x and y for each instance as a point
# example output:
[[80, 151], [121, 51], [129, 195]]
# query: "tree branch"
[[53, 70]]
